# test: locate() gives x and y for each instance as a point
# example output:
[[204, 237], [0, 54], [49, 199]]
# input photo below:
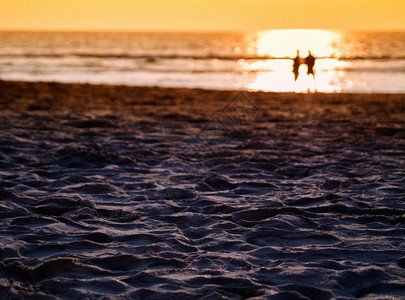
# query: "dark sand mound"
[[184, 194]]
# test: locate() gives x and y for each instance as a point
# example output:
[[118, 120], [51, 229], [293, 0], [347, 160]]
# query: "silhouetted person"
[[296, 65], [310, 62]]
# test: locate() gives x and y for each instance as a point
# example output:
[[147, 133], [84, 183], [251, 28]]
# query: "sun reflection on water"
[[280, 46], [285, 42]]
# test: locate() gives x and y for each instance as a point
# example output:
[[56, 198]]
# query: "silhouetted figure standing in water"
[[310, 62], [296, 65]]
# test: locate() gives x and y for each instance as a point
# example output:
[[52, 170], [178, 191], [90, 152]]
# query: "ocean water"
[[347, 61]]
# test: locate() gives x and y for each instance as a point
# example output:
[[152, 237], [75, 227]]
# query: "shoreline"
[[124, 91], [124, 85]]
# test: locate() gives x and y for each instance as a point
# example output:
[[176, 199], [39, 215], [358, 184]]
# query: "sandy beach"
[[164, 193]]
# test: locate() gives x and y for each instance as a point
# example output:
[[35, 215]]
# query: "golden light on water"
[[281, 46], [285, 43]]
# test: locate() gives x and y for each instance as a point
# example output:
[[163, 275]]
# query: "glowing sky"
[[201, 14]]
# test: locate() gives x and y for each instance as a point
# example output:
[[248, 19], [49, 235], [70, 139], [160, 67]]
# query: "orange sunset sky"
[[191, 15]]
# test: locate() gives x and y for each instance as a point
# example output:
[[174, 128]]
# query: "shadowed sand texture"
[[157, 193]]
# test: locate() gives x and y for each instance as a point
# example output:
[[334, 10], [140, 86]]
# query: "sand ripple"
[[307, 205]]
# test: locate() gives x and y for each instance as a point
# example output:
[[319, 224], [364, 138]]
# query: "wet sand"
[[141, 192]]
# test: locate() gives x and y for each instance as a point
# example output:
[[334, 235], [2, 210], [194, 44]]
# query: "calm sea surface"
[[347, 61]]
